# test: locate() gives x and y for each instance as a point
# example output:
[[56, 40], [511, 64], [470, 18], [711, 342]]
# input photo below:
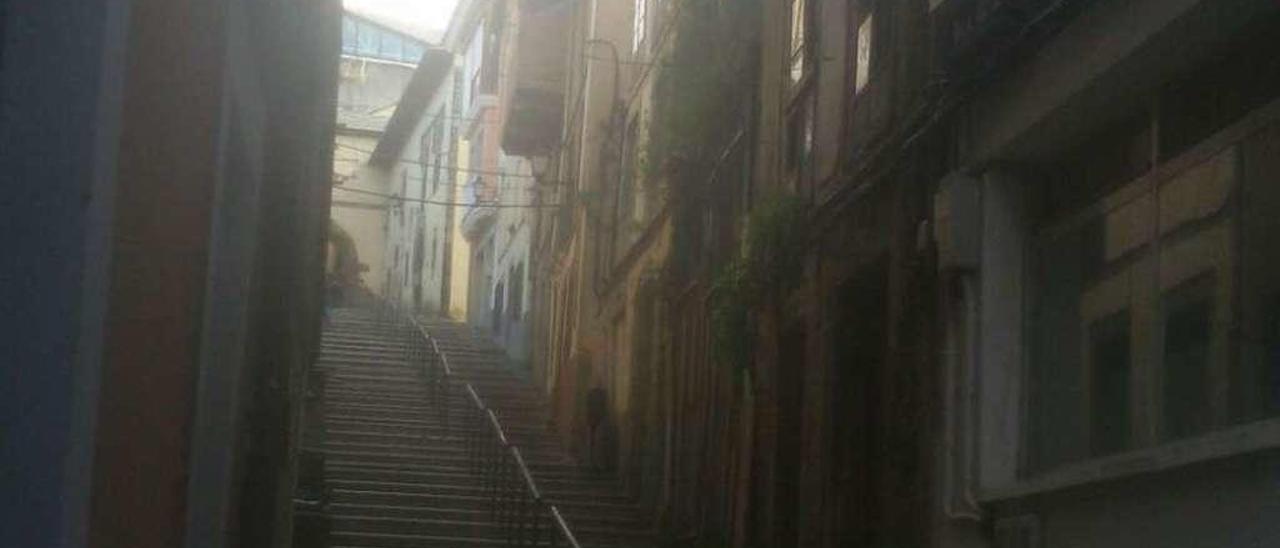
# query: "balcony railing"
[[514, 500]]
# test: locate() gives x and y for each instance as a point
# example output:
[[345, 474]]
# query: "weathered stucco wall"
[[361, 214]]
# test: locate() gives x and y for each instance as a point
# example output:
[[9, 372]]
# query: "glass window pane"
[[348, 35], [1188, 332], [1111, 371], [367, 39], [798, 38], [390, 47], [1056, 427], [866, 38], [412, 52], [1255, 379], [639, 25]]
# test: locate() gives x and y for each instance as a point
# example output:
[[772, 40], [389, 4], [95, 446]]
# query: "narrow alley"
[[640, 273]]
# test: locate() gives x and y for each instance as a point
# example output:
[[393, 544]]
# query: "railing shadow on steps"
[[515, 502]]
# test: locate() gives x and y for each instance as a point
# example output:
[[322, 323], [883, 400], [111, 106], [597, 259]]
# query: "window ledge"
[[1240, 440]]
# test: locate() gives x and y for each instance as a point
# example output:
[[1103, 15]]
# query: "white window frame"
[[1001, 356], [640, 26], [864, 51], [798, 43]]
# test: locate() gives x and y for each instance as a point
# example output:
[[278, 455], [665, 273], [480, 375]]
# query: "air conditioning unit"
[[1018, 532]]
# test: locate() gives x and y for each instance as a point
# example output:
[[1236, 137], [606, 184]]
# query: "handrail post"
[[516, 505], [448, 403]]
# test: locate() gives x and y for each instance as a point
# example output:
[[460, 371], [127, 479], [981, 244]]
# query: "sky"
[[430, 14]]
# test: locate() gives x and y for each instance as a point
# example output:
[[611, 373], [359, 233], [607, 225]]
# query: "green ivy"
[[706, 63], [771, 259]]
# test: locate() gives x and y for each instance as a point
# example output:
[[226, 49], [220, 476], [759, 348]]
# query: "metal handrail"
[[515, 501]]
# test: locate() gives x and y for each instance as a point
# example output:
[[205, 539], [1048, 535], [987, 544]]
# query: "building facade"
[[928, 273], [377, 64], [168, 165], [1112, 298], [417, 160], [499, 186]]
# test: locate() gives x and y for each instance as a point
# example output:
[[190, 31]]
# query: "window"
[[624, 224], [435, 240], [437, 145], [516, 308], [1110, 369], [799, 129], [1188, 334], [455, 103], [417, 255], [389, 47], [799, 41], [477, 154], [499, 300], [367, 40], [862, 58], [413, 51], [425, 158], [474, 59], [799, 145], [1154, 305], [348, 35], [640, 25], [424, 147]]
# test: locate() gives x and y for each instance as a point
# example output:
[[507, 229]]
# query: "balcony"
[[481, 213], [535, 95]]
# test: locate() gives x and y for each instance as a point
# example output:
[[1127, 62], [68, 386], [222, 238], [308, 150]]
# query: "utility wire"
[[442, 203], [509, 185], [512, 186], [454, 168]]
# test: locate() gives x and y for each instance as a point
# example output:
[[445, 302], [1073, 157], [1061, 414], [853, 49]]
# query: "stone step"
[[538, 463], [573, 511], [479, 524], [430, 423], [602, 520], [598, 498], [420, 437], [352, 539], [342, 539], [399, 466], [370, 429], [418, 384], [436, 446], [394, 475], [564, 474]]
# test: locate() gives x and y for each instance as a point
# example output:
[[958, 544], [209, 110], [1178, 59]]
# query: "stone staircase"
[[398, 478]]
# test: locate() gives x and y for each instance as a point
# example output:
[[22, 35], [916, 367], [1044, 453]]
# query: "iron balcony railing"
[[515, 503]]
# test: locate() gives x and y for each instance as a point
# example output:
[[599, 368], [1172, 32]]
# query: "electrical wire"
[[443, 166], [391, 197]]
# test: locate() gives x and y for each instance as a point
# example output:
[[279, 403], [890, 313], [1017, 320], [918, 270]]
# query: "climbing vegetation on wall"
[[709, 59], [771, 259]]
